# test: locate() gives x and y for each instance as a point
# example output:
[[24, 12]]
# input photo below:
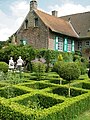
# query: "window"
[[23, 42], [87, 44], [60, 44], [69, 46], [36, 22], [79, 45], [26, 24]]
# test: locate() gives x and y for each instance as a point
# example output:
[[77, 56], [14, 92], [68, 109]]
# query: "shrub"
[[39, 68], [82, 67], [57, 66], [76, 58], [85, 61], [67, 57], [69, 71], [78, 52], [60, 58], [3, 67]]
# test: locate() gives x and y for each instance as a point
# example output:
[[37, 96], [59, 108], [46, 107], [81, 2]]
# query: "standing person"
[[11, 64], [20, 63]]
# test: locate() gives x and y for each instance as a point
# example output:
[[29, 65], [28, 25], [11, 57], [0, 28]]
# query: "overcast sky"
[[13, 12]]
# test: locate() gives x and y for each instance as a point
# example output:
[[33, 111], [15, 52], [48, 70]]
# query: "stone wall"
[[37, 36]]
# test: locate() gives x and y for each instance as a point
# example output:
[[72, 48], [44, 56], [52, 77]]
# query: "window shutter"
[[73, 46], [65, 45], [56, 43]]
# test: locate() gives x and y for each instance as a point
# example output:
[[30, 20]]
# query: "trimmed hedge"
[[52, 106], [64, 111]]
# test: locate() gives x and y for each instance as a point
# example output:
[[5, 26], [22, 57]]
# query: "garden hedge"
[[55, 106]]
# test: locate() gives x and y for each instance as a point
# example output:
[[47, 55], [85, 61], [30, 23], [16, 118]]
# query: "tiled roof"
[[80, 22], [56, 24]]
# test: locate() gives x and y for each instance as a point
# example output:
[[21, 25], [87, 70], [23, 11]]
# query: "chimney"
[[55, 13], [33, 5]]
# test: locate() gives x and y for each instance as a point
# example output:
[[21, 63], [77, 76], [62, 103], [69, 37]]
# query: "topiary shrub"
[[39, 68], [69, 71], [3, 67]]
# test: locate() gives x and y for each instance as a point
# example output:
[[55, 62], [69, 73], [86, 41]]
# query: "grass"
[[84, 116]]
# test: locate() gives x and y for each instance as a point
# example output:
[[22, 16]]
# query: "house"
[[41, 30]]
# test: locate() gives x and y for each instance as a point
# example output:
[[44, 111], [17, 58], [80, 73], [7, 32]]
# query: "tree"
[[69, 71]]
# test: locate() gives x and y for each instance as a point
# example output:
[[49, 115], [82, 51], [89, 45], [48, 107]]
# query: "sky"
[[13, 12]]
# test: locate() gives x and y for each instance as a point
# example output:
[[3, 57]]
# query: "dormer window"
[[26, 24], [36, 22]]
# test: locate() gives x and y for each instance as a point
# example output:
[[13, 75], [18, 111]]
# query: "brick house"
[[41, 30]]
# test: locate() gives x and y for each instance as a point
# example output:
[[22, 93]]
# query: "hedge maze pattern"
[[46, 99]]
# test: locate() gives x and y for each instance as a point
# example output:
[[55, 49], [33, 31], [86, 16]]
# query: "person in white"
[[19, 63], [11, 64]]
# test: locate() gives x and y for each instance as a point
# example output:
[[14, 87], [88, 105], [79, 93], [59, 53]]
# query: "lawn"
[[84, 116]]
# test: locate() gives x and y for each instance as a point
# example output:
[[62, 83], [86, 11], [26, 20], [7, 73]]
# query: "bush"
[[76, 58], [3, 67], [60, 58], [67, 57], [39, 68], [69, 71], [83, 68], [57, 66]]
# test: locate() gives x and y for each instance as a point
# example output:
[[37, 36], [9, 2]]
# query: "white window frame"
[[60, 43]]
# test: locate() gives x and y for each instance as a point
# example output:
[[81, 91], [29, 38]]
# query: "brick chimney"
[[55, 13], [33, 5]]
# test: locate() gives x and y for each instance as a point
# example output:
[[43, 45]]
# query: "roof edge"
[[73, 29]]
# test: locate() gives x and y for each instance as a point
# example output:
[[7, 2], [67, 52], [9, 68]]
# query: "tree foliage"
[[3, 67]]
